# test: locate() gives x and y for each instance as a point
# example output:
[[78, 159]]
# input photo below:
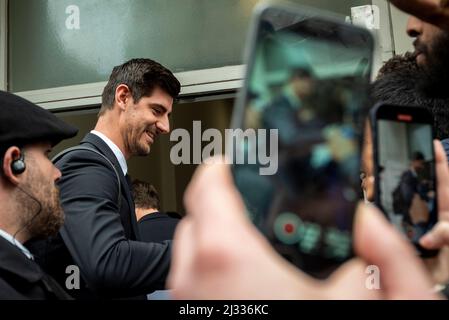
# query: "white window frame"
[[193, 83]]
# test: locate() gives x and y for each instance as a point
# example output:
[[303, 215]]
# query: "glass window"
[[55, 43]]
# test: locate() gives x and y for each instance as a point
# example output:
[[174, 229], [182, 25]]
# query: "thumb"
[[437, 237], [442, 173], [377, 242]]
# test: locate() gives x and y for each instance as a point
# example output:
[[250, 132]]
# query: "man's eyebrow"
[[157, 105], [160, 106]]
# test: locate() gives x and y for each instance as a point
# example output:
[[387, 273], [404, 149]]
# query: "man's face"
[[302, 86], [144, 121], [427, 35], [418, 165], [432, 50], [45, 218]]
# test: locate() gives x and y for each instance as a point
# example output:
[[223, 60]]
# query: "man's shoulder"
[[158, 216], [92, 152], [83, 171], [407, 174], [82, 156]]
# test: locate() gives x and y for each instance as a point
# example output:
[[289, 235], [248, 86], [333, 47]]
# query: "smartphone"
[[405, 179], [300, 115]]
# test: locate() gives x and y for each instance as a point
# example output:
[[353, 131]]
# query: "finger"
[[442, 173], [349, 282], [437, 237], [215, 181], [216, 206], [377, 242], [218, 211], [183, 253], [433, 12], [418, 8]]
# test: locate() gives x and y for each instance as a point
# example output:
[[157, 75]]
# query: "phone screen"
[[307, 81], [406, 173]]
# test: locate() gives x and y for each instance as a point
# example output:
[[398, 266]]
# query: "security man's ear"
[[13, 164]]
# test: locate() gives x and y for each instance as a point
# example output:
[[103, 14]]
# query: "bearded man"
[[29, 198], [429, 25]]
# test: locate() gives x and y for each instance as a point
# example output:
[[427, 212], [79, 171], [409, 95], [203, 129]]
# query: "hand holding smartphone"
[[405, 179], [306, 83]]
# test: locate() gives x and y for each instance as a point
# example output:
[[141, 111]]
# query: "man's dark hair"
[[417, 155], [301, 73], [397, 84], [2, 155], [142, 76], [145, 195], [399, 63]]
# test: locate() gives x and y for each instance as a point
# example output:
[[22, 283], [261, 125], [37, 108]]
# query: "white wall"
[[393, 142], [402, 42]]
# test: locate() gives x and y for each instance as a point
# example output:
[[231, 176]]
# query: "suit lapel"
[[14, 262], [101, 146]]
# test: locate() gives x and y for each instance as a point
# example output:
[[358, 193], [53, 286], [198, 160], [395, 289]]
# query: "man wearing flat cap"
[[29, 197]]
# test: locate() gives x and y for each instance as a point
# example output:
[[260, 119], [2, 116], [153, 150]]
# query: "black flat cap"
[[22, 122]]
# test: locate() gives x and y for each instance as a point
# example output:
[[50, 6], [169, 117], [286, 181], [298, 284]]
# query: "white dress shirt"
[[16, 243], [116, 150]]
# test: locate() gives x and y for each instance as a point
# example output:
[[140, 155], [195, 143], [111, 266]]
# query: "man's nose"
[[414, 27], [163, 126]]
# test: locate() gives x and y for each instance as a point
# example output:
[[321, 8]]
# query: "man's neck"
[[108, 126], [19, 234], [9, 219], [140, 212]]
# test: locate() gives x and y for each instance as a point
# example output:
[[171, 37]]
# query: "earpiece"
[[18, 166]]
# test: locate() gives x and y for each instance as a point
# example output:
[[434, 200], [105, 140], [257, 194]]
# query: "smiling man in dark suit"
[[100, 231]]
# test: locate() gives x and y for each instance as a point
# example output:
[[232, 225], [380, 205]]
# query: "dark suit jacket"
[[99, 236], [157, 227], [409, 187], [282, 115], [403, 194], [23, 279]]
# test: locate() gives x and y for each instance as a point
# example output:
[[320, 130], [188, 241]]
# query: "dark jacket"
[[23, 279], [403, 194], [100, 237], [157, 227]]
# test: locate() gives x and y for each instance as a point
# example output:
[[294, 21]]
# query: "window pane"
[[56, 43]]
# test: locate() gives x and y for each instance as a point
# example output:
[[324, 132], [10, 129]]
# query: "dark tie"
[[133, 216], [129, 181]]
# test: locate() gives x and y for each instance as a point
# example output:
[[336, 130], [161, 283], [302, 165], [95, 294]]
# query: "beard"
[[133, 134], [43, 215], [435, 74]]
